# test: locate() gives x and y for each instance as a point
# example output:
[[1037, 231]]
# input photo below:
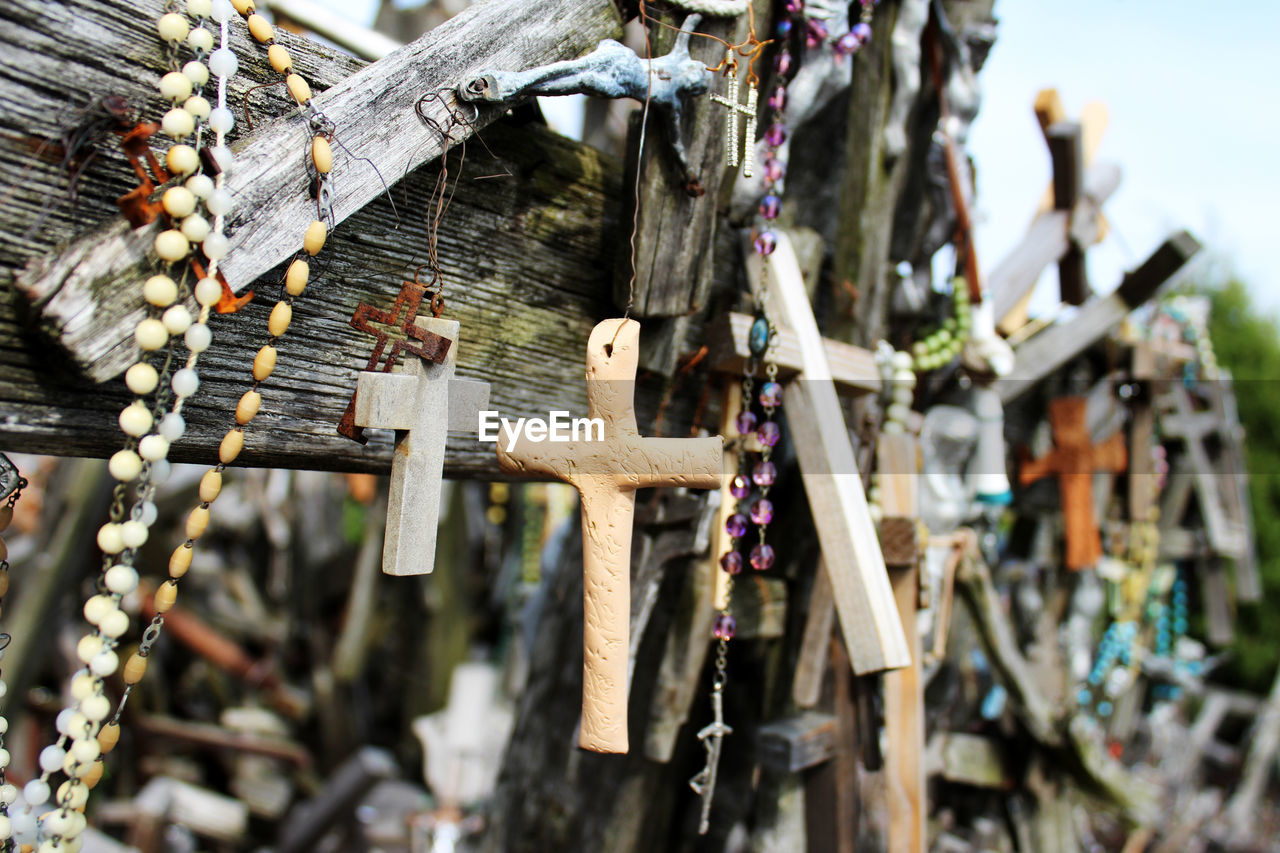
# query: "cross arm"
[[1045, 353]]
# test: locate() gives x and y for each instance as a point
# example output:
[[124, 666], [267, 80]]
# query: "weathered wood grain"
[[544, 211], [86, 293], [675, 229], [904, 708]]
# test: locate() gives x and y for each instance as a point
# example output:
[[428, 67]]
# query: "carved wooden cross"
[[421, 403], [1074, 459], [606, 474], [1226, 533], [401, 318]]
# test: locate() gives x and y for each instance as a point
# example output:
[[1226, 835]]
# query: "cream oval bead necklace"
[[144, 456], [82, 723], [8, 791]]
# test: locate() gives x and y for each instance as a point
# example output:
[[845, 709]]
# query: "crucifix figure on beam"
[[607, 472]]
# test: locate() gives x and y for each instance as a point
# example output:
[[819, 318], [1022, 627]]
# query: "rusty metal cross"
[[402, 318]]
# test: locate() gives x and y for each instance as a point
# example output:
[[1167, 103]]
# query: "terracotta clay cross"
[[1074, 459], [421, 403], [400, 318], [607, 473]]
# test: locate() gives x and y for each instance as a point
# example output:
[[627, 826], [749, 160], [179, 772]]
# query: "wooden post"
[[903, 688], [676, 225], [864, 599], [1066, 149]]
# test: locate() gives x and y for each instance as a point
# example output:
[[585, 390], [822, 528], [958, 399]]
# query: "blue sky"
[[1194, 127]]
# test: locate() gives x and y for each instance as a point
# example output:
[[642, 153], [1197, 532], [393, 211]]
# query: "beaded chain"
[[8, 792], [763, 334], [82, 722]]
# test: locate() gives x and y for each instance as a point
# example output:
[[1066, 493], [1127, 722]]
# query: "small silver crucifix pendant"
[[731, 124], [712, 737]]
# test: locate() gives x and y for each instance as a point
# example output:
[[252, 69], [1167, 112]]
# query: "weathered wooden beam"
[[797, 743], [904, 712], [543, 209], [1043, 354], [1066, 148], [88, 293], [1047, 240]]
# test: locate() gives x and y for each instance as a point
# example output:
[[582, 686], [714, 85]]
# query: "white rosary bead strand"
[[899, 383], [97, 649]]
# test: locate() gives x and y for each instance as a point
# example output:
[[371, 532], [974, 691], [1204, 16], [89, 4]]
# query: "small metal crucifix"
[[712, 738], [731, 123]]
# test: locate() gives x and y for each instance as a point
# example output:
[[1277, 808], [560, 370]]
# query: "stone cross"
[[421, 403], [1074, 459], [607, 472], [402, 318]]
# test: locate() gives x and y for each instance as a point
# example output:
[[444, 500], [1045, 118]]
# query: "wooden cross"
[[421, 403], [851, 553], [1069, 221], [607, 474], [731, 124], [1226, 534], [1074, 459], [1044, 354], [402, 318]]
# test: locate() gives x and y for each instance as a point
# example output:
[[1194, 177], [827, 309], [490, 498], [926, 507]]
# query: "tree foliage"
[[1247, 342]]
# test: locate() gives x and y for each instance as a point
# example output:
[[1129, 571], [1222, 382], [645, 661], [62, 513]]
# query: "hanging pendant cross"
[[607, 471], [712, 737], [731, 125], [422, 402], [402, 318]]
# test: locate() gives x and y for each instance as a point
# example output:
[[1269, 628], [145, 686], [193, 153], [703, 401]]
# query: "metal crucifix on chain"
[[736, 110]]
